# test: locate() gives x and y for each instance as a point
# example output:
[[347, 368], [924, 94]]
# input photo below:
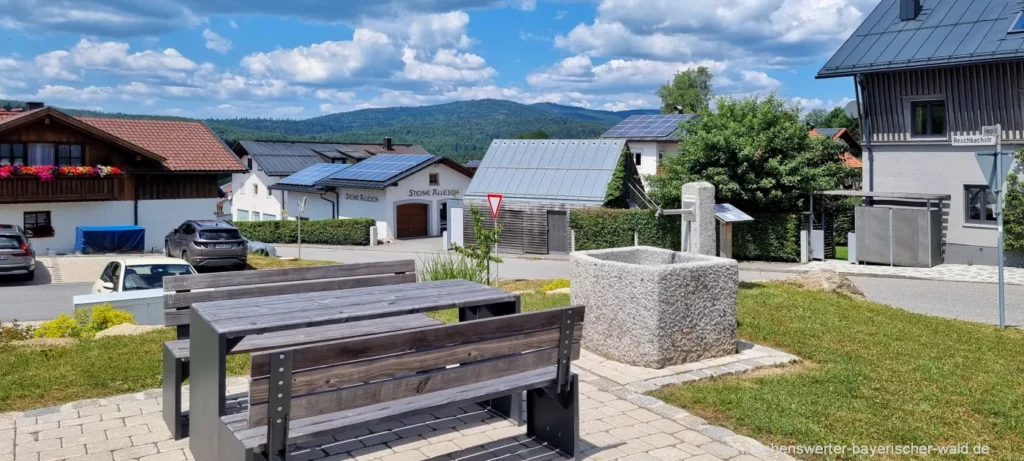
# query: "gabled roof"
[[178, 145], [664, 127], [283, 158], [555, 170], [843, 134], [381, 171], [947, 32]]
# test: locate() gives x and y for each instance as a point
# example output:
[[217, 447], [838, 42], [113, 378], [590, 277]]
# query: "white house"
[[406, 193], [650, 138], [268, 162]]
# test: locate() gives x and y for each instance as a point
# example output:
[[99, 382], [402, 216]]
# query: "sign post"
[[995, 166], [494, 201], [302, 210]]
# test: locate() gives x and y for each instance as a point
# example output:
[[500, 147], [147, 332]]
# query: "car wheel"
[[263, 253], [30, 276], [184, 255], [167, 248]]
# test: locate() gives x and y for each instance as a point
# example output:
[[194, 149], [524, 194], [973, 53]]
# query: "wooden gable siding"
[[524, 224], [975, 96]]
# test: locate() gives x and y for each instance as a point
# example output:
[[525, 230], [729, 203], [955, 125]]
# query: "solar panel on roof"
[[381, 167], [647, 126], [309, 176]]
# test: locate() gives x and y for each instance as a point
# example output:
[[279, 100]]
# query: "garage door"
[[412, 220]]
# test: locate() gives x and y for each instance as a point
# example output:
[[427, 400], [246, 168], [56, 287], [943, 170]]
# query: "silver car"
[[206, 243], [16, 254]]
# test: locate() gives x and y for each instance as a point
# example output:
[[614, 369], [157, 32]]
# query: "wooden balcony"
[[62, 189]]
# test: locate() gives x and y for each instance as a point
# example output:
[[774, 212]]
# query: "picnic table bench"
[[181, 292], [220, 328]]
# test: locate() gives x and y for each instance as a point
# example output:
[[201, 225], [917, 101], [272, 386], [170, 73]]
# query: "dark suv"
[[16, 254], [208, 243]]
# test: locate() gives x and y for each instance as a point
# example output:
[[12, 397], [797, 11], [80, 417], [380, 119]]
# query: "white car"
[[139, 274]]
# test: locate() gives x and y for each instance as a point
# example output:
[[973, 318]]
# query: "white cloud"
[[425, 31], [447, 66], [76, 95], [233, 24], [560, 14], [809, 104], [215, 42], [614, 76], [369, 53], [113, 57]]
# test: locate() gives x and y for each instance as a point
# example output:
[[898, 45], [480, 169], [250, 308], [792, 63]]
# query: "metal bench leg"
[[174, 375], [553, 417]]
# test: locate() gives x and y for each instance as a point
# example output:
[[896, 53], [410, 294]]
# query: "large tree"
[[689, 92], [835, 118], [758, 154]]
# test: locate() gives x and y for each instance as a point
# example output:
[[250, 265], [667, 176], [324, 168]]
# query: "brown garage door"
[[412, 220]]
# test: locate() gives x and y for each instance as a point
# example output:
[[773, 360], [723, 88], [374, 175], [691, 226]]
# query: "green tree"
[[689, 92], [480, 253], [534, 134], [1013, 209], [835, 118], [758, 154]]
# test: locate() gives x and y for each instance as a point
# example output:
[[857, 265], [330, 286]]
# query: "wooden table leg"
[[512, 406], [206, 389]]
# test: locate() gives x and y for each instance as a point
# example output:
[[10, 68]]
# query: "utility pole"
[[999, 224]]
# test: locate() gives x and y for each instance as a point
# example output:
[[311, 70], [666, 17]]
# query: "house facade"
[[925, 71], [267, 162], [650, 139], [58, 172]]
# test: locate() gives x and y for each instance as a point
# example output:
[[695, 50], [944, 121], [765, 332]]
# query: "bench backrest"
[[342, 375], [181, 292]]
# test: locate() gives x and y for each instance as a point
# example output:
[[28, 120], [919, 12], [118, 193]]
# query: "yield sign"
[[494, 200], [987, 162]]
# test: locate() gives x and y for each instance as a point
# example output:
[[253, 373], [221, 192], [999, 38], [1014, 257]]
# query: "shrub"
[[770, 237], [556, 284], [15, 332], [85, 323], [445, 266], [600, 228], [355, 231]]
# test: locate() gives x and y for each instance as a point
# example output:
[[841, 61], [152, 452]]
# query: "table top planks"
[[235, 318]]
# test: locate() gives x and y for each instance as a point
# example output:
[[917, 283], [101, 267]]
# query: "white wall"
[[158, 217], [316, 207], [367, 203], [242, 198], [649, 151]]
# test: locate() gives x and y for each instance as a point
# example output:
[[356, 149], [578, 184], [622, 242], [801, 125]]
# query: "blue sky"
[[304, 58]]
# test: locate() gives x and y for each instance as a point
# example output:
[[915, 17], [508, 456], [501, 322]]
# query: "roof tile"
[[187, 145]]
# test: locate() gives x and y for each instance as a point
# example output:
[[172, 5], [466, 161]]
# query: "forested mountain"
[[459, 130]]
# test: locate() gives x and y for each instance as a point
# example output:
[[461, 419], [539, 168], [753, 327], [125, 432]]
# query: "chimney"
[[34, 105], [909, 9], [387, 144]]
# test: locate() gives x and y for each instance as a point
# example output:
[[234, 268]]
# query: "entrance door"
[[412, 220], [558, 227]]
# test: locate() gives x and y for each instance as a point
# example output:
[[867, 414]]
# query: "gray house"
[[927, 70]]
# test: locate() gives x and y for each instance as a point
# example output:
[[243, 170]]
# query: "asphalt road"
[[37, 302]]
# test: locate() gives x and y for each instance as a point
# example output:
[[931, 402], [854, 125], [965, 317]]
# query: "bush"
[[770, 237], [85, 324], [556, 284], [445, 266], [600, 228], [15, 332], [355, 231]]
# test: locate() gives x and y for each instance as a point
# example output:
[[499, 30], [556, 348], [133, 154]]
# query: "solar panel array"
[[381, 167], [309, 176], [647, 126]]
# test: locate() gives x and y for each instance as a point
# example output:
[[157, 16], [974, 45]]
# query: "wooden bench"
[[181, 292], [305, 392]]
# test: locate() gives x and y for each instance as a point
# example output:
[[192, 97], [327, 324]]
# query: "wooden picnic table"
[[218, 326]]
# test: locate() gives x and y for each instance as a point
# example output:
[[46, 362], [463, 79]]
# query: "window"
[[269, 217], [243, 215], [636, 158], [39, 223], [12, 154], [435, 179], [928, 118], [115, 276], [248, 163], [69, 155], [255, 190], [1018, 24], [980, 204], [42, 154]]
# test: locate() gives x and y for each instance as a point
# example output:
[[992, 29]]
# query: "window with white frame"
[[435, 179]]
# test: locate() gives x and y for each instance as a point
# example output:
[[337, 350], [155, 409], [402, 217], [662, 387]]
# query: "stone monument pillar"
[[700, 197]]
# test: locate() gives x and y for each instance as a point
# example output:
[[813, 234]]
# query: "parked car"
[[135, 274], [260, 248], [17, 257], [208, 243]]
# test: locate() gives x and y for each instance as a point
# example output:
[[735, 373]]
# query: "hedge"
[[600, 228], [770, 237], [354, 231]]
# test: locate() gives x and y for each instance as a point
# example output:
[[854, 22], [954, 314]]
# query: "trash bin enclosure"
[[908, 237]]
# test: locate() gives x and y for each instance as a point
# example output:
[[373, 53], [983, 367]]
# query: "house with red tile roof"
[[59, 172], [843, 135]]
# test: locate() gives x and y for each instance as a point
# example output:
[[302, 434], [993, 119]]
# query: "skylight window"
[[1018, 24]]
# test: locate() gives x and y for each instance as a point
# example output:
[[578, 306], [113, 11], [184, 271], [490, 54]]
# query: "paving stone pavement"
[[942, 272], [616, 422]]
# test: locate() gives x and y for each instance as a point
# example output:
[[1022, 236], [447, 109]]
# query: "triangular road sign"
[[494, 200], [987, 162]]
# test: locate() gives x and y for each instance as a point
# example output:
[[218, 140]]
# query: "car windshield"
[[220, 234], [10, 242], [149, 276]]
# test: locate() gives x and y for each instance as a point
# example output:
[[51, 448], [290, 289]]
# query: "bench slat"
[[301, 429], [333, 377], [402, 342], [410, 386], [231, 279], [186, 299]]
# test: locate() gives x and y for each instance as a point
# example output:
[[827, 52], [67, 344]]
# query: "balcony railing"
[[30, 189]]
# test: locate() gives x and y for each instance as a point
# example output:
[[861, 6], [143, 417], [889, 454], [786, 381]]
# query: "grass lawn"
[[267, 262], [842, 253], [874, 376]]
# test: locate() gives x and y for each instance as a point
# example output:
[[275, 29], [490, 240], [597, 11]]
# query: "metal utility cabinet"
[[908, 237]]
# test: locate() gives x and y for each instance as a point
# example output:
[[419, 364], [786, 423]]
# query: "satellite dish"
[[853, 110]]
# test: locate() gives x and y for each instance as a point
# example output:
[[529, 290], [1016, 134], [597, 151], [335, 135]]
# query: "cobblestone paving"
[[616, 422], [944, 272]]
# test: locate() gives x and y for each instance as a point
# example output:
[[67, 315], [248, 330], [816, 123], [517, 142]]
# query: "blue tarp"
[[110, 239]]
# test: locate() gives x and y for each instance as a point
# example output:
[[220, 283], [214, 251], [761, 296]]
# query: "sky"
[[305, 58]]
